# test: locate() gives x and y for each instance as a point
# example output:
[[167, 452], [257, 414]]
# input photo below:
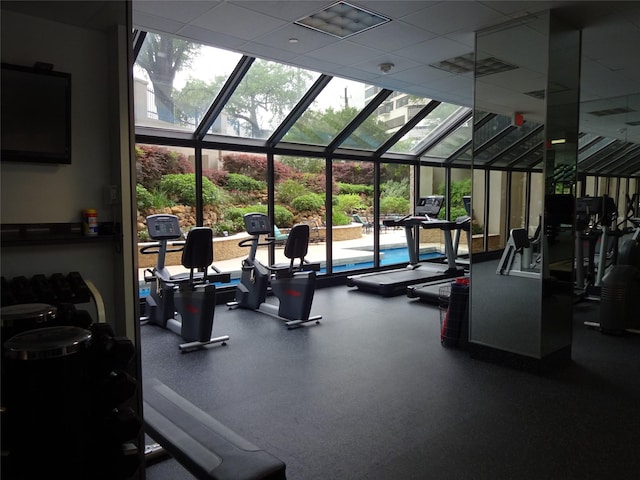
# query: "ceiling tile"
[[237, 21], [434, 50], [182, 11], [208, 37], [152, 23], [284, 10], [344, 53], [392, 36]]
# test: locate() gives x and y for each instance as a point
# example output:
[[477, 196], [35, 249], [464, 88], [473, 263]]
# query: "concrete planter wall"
[[225, 248]]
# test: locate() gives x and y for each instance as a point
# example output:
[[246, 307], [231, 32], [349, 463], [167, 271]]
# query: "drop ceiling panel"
[[237, 21], [391, 36], [288, 10], [434, 50], [183, 11], [448, 17], [344, 53], [153, 23]]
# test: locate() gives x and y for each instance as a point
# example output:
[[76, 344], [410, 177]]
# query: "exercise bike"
[[292, 283], [182, 303]]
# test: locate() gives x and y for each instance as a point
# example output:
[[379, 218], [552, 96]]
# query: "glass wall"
[[220, 134]]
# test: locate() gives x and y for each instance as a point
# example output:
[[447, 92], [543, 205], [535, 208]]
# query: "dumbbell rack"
[[68, 411]]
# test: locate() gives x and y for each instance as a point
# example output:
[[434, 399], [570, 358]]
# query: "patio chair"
[[366, 225]]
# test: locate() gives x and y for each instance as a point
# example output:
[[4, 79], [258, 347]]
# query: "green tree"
[[263, 98], [162, 56], [192, 102]]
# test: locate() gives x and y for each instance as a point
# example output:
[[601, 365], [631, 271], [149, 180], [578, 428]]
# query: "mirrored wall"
[[528, 73]]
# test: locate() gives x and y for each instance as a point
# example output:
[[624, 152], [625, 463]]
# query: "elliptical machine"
[[292, 283], [182, 303]]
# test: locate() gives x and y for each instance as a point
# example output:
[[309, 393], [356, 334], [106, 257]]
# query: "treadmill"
[[395, 282], [430, 291]]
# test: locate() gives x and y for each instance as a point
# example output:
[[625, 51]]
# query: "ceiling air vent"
[[611, 111], [465, 64], [342, 20], [539, 94]]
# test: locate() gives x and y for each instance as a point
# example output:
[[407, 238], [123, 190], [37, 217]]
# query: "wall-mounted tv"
[[36, 115]]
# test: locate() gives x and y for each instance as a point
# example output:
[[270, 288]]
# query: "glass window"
[[264, 97], [352, 213], [175, 81], [420, 135], [337, 104]]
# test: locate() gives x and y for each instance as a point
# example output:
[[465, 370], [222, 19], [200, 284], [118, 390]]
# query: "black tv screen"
[[36, 115]]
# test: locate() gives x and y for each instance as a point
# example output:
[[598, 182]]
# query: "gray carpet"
[[370, 393]]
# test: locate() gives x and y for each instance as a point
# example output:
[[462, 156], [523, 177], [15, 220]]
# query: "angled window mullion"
[[361, 117], [629, 150], [597, 159], [629, 165], [223, 97], [428, 108], [590, 159], [138, 40], [590, 144], [451, 158], [298, 110], [445, 129], [498, 136], [515, 145], [523, 155], [482, 121]]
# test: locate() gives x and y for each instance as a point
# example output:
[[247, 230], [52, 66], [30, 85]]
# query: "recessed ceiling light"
[[342, 20], [293, 40]]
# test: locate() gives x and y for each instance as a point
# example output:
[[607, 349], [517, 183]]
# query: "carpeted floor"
[[370, 393]]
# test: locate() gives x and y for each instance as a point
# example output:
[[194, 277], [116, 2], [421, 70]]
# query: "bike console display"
[[257, 224], [163, 227]]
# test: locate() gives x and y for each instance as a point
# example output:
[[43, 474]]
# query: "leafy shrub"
[[310, 202], [181, 188], [350, 188], [394, 188], [153, 162], [458, 190], [340, 218], [288, 190], [282, 216], [218, 177], [353, 172], [154, 199], [350, 202], [394, 205], [240, 182], [255, 166], [229, 226], [143, 197], [317, 183]]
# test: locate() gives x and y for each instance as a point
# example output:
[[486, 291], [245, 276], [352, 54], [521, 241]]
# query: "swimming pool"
[[390, 256]]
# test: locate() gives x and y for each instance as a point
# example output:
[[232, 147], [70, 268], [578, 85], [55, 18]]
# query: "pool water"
[[391, 256]]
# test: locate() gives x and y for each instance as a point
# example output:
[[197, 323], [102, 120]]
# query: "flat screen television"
[[36, 115]]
